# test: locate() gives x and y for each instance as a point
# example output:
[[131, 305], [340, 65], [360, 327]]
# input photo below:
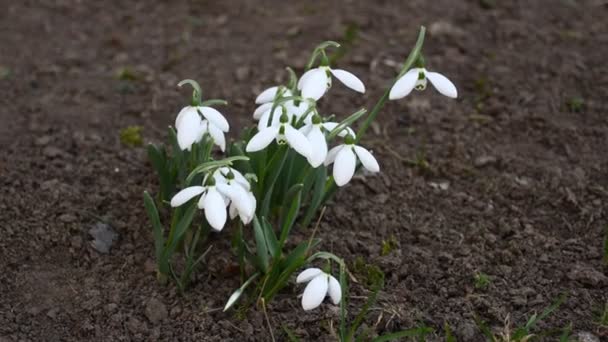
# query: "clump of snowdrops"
[[276, 178]]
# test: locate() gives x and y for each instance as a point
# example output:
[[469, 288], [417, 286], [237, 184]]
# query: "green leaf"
[[449, 337], [260, 244], [318, 193], [292, 214], [290, 334], [158, 159], [273, 170], [180, 229], [346, 123], [157, 228], [271, 238]]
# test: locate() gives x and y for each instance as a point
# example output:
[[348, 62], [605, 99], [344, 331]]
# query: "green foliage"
[[5, 72], [131, 136], [602, 316], [370, 275], [389, 245], [575, 104], [523, 333], [126, 74], [482, 280]]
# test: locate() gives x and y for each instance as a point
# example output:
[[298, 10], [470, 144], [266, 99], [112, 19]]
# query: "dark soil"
[[511, 179]]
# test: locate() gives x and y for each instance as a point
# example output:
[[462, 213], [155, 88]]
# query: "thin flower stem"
[[197, 94], [409, 62]]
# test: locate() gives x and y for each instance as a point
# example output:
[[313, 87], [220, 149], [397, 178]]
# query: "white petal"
[[305, 76], [318, 145], [331, 155], [305, 129], [257, 114], [185, 195], [335, 292], [215, 209], [404, 85], [315, 292], [442, 84], [216, 118], [276, 118], [239, 178], [253, 202], [202, 130], [218, 136], [267, 95], [238, 196], [188, 110], [367, 159], [188, 130], [330, 126], [262, 139], [344, 166], [233, 298], [315, 85], [349, 80], [298, 110], [233, 211], [297, 141], [308, 274], [201, 202]]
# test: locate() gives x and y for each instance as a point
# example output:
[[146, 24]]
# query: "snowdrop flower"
[[191, 127], [211, 201], [345, 157], [320, 284], [417, 78], [235, 187], [266, 100], [282, 133], [315, 82]]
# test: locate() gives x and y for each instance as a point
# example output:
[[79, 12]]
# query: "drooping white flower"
[[210, 201], [344, 157], [266, 100], [228, 187], [191, 126], [315, 82], [235, 187], [416, 78], [282, 133], [320, 284]]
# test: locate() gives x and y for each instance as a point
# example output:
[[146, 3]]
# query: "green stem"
[[197, 93], [411, 59]]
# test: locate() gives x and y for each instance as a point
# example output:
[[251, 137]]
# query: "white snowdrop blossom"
[[282, 133], [211, 202], [320, 284], [315, 82], [235, 187], [228, 188], [344, 157], [191, 127], [266, 100], [416, 78], [314, 130]]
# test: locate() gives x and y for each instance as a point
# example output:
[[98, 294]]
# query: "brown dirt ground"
[[516, 188]]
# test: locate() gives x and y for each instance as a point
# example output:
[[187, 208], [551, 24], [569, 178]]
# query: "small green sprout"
[[126, 74], [5, 72], [482, 280], [368, 273], [131, 136], [522, 333], [389, 245], [602, 316], [575, 104]]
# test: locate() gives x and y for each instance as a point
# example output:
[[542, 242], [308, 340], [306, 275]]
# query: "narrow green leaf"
[[260, 244], [180, 229], [158, 159], [157, 228], [292, 214], [319, 177], [346, 123], [290, 334], [271, 238], [273, 170]]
